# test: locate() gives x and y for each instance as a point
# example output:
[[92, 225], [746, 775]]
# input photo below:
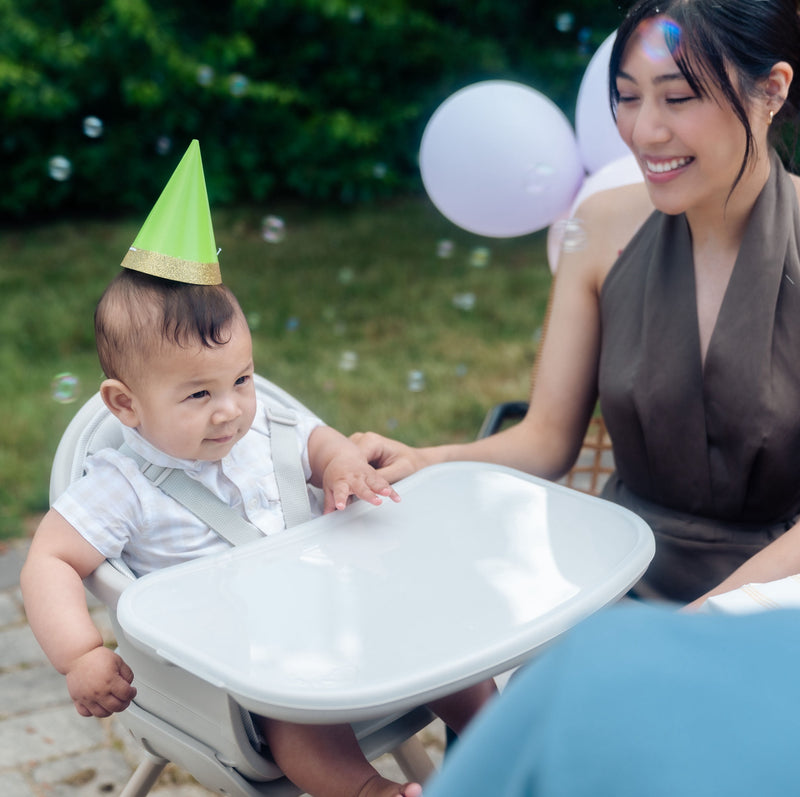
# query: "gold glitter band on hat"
[[172, 268]]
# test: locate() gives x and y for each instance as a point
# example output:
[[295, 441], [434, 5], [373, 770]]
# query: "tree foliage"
[[322, 99]]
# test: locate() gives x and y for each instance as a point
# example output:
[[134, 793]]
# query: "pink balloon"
[[500, 159]]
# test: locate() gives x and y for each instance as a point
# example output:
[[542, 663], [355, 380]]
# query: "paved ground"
[[46, 748]]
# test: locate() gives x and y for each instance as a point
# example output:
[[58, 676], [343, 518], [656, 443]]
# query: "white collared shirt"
[[123, 515]]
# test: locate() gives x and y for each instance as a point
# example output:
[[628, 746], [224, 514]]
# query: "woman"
[[684, 322]]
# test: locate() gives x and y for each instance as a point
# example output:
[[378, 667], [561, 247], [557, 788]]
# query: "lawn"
[[384, 317]]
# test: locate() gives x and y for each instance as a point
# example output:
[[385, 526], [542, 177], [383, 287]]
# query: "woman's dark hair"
[[138, 313], [712, 39]]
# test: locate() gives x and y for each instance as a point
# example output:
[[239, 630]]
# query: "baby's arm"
[[339, 467], [98, 680]]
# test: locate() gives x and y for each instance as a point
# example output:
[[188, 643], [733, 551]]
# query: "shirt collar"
[[144, 448]]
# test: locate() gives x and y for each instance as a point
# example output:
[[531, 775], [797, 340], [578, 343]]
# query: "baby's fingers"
[[381, 487], [341, 490]]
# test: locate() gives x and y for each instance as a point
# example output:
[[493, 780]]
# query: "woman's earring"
[[771, 114]]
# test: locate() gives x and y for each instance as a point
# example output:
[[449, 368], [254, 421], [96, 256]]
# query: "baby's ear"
[[118, 397]]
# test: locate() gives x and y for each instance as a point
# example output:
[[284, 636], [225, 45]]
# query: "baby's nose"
[[227, 409]]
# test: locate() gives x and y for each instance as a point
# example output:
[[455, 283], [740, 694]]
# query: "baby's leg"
[[326, 761], [458, 709]]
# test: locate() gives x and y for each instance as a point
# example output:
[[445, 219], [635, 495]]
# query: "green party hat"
[[176, 241]]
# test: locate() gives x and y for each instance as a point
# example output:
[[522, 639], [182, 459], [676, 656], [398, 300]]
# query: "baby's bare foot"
[[377, 786]]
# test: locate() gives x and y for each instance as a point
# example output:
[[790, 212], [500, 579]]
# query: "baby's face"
[[198, 402]]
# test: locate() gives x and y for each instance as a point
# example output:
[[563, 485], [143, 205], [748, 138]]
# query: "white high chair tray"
[[372, 609]]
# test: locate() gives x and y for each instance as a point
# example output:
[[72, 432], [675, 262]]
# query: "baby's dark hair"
[[138, 313]]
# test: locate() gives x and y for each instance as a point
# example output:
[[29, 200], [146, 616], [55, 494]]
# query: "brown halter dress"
[[708, 455]]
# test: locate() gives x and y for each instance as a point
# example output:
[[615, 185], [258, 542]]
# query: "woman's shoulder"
[[609, 219]]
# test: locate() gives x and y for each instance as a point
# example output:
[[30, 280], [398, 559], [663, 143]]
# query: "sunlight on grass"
[[342, 310]]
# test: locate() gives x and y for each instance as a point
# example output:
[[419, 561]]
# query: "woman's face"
[[690, 148]]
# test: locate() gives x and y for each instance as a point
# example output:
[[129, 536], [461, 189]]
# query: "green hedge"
[[321, 99]]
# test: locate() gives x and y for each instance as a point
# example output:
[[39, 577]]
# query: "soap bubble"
[[273, 229], [348, 361], [237, 85], [92, 127], [205, 75], [65, 388], [464, 301], [574, 239], [538, 178], [292, 323], [59, 168], [254, 320], [379, 171], [355, 14], [573, 235], [461, 370], [416, 381], [565, 21], [163, 145], [479, 257], [346, 275], [444, 248]]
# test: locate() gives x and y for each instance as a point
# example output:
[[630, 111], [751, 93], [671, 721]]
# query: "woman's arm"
[[779, 559], [547, 441]]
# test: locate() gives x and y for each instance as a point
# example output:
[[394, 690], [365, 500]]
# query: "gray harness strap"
[[220, 517]]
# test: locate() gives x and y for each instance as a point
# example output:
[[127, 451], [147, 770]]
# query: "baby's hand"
[[351, 475], [99, 683]]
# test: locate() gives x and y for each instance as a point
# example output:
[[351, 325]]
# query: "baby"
[[179, 366]]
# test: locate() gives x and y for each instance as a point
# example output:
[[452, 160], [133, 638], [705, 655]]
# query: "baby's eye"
[[242, 380], [200, 394]]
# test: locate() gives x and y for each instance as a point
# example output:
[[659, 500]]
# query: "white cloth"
[[781, 594], [123, 515]]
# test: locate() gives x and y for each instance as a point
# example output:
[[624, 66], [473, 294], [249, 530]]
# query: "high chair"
[[176, 716]]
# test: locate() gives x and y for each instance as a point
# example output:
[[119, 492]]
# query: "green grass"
[[366, 281]]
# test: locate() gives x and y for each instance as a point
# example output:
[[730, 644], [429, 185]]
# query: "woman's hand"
[[392, 459]]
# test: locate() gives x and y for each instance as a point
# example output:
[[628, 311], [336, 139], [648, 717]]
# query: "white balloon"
[[500, 159], [599, 140], [623, 171]]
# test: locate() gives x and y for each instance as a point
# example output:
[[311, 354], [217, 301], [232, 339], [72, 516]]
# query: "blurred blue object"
[[640, 700]]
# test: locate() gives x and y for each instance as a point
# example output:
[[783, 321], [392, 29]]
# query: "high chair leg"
[[412, 758], [145, 776]]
